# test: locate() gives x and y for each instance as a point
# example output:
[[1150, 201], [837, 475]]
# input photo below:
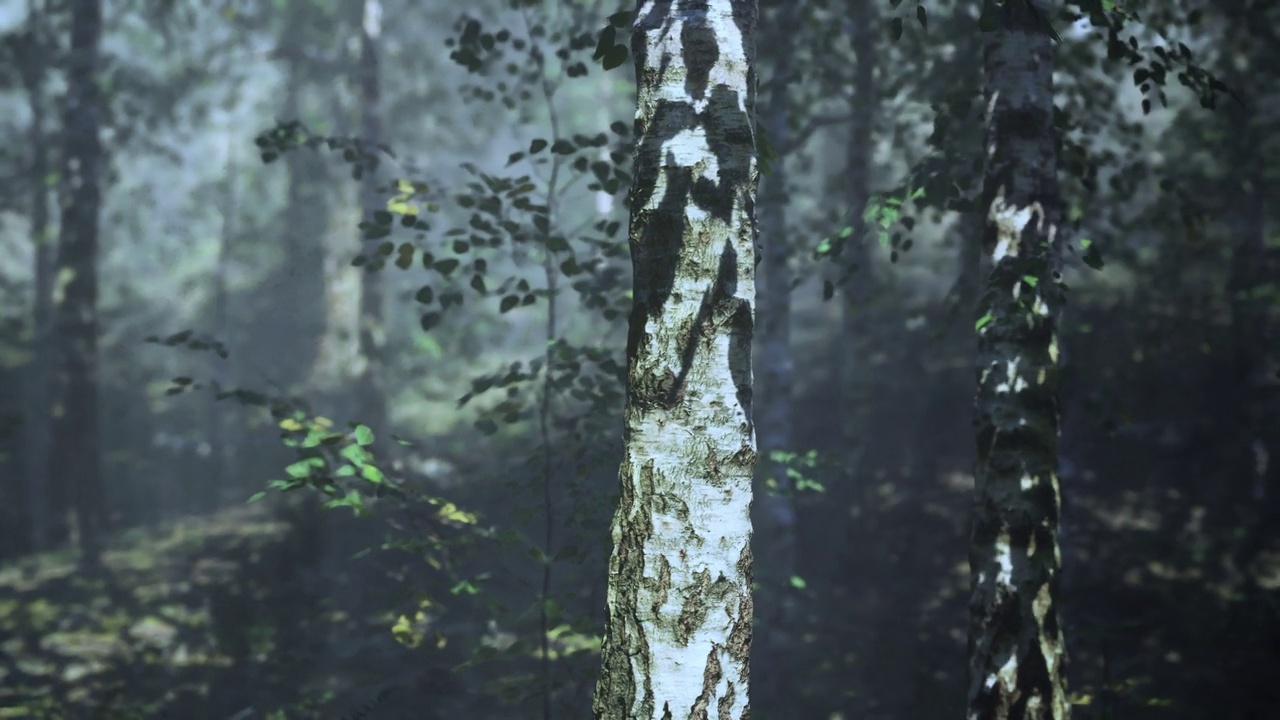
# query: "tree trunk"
[[224, 428], [678, 626], [371, 392], [285, 345], [37, 420], [76, 444], [856, 249], [1016, 652], [775, 518]]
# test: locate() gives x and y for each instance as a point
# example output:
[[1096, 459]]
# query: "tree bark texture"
[[678, 619], [1016, 652], [76, 442]]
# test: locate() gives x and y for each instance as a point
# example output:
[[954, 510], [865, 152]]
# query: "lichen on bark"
[[1016, 652], [678, 621]]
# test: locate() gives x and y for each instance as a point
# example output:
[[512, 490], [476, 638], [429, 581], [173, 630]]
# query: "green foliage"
[[802, 471], [609, 51]]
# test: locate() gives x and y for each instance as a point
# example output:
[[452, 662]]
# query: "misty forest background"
[[175, 557]]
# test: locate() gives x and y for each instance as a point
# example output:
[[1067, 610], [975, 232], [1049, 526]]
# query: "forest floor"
[[142, 640]]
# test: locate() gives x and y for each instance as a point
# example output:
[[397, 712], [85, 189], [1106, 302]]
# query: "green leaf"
[[364, 435], [1091, 256], [425, 295], [1030, 280], [430, 320], [615, 57], [446, 266], [895, 29], [373, 474], [983, 321], [464, 587], [922, 16], [537, 146], [404, 257], [356, 454], [256, 497], [508, 303], [302, 468], [765, 152], [606, 40], [988, 19], [798, 582]]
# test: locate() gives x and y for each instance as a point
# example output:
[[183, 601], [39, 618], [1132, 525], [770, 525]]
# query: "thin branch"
[[802, 135]]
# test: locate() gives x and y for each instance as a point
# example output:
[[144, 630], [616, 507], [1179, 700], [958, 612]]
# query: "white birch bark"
[[678, 629], [1017, 655]]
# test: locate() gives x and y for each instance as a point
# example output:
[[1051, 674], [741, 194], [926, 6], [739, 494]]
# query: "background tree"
[[32, 52], [371, 393], [76, 443], [1016, 652]]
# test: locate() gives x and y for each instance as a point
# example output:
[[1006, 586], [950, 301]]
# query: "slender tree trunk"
[[775, 518], [678, 626], [1252, 333], [223, 414], [300, 281], [76, 444], [371, 394], [1016, 651], [857, 248], [37, 419]]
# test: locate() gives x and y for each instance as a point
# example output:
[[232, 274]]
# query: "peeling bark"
[[678, 626], [1016, 651]]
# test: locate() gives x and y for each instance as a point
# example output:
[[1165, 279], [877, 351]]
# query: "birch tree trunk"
[[1016, 652], [678, 623], [76, 442]]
